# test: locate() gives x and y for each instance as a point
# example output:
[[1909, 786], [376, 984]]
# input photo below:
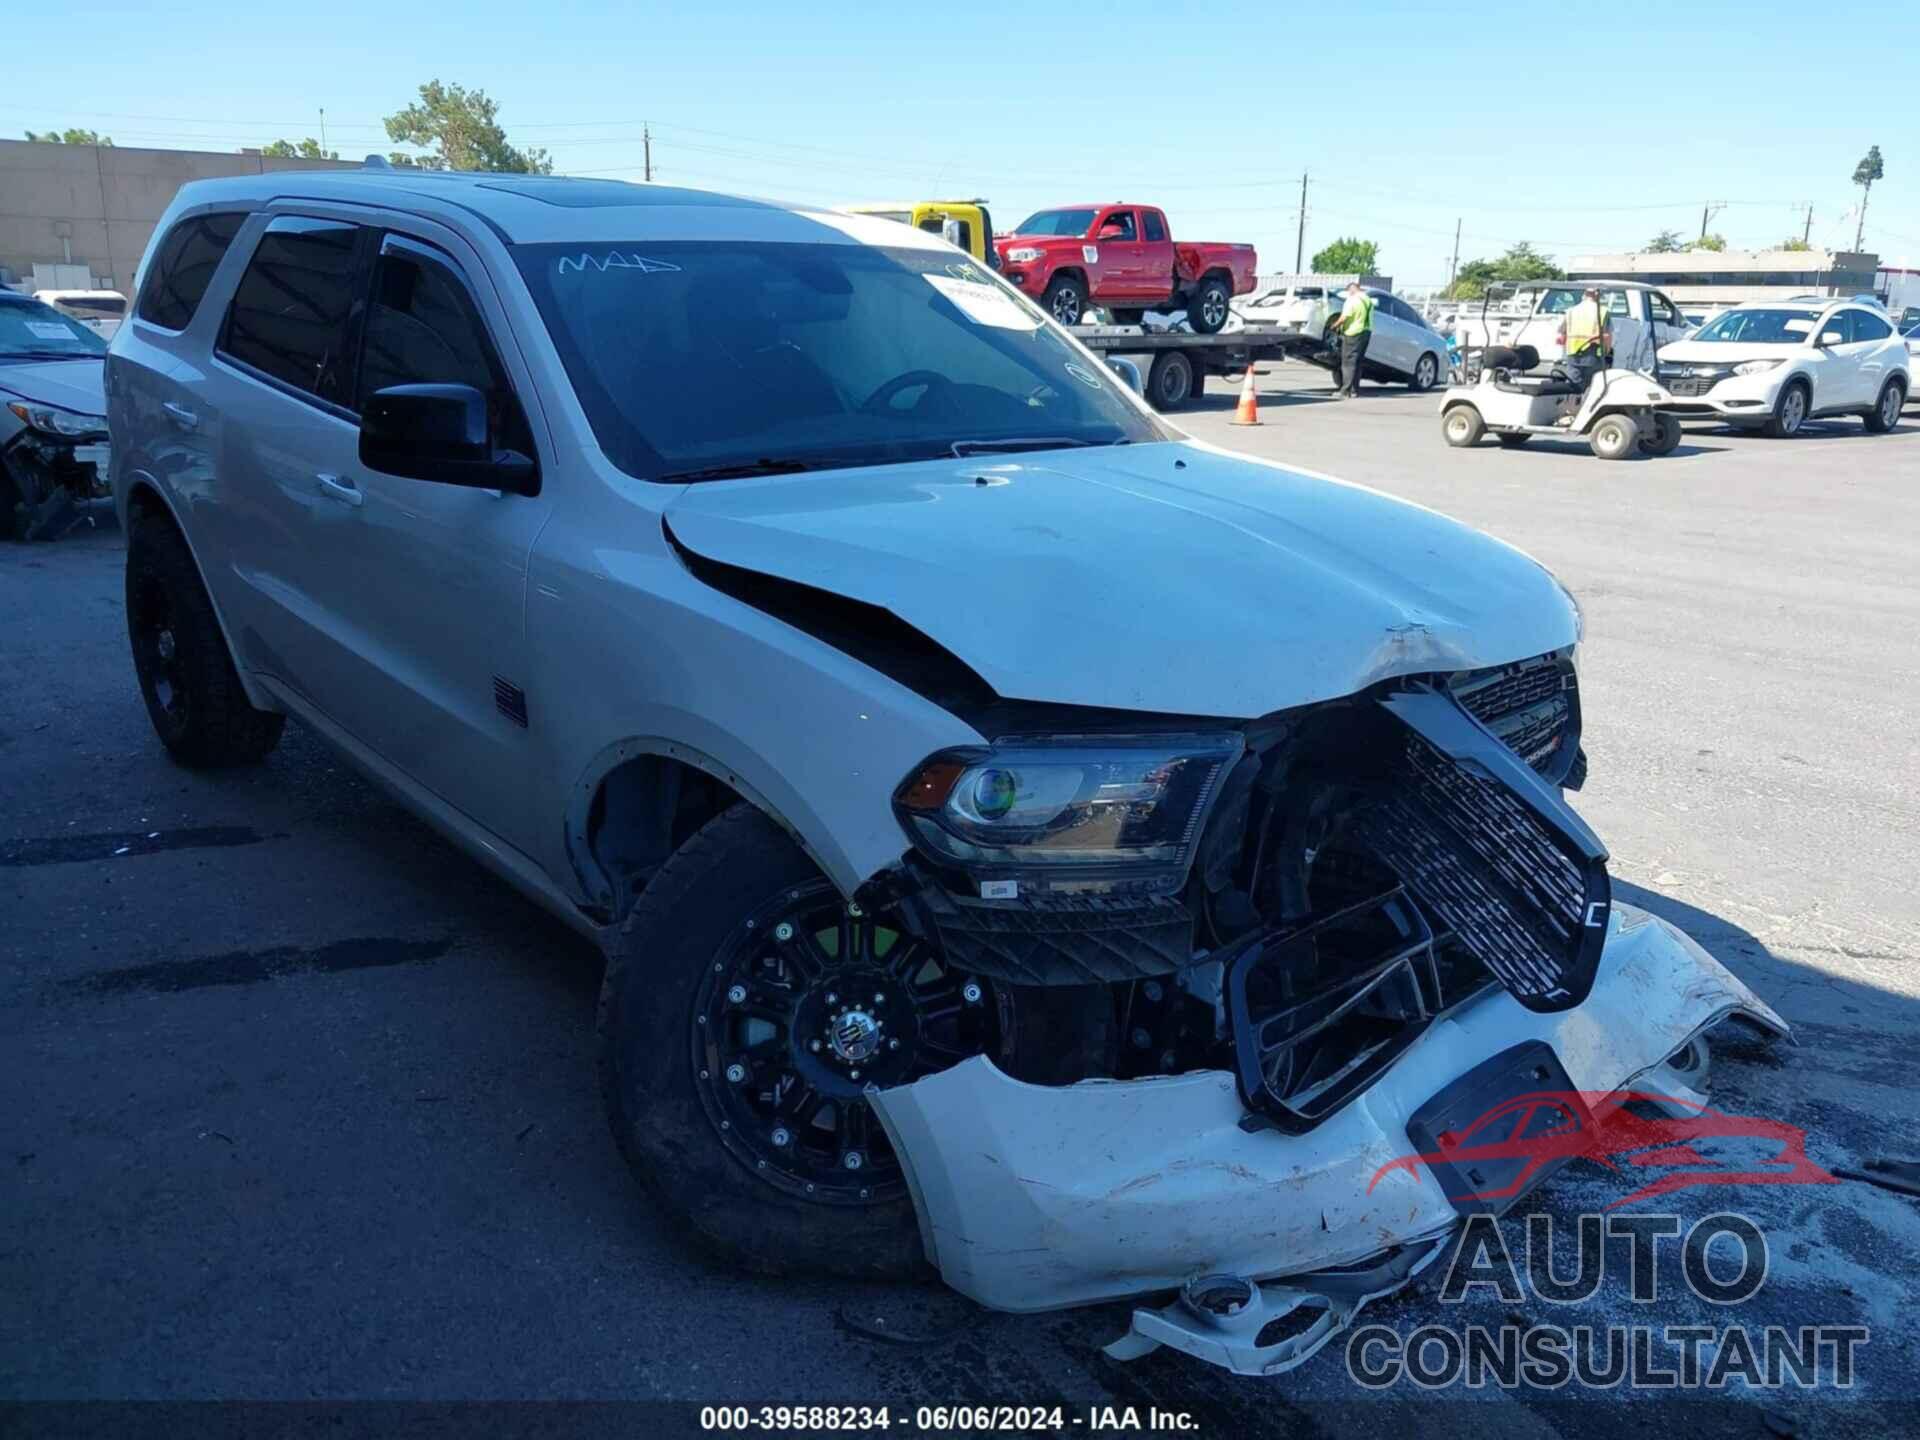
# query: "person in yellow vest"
[[1354, 326], [1588, 336]]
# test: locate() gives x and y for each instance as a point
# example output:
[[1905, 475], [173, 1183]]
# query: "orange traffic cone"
[[1248, 412]]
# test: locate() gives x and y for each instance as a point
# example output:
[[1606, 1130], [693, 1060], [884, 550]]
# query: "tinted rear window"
[[289, 313], [184, 265]]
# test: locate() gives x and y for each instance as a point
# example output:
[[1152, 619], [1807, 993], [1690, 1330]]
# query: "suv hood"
[[1171, 578], [70, 384], [1725, 352]]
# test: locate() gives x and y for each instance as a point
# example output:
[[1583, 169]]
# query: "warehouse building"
[[78, 217], [1727, 277]]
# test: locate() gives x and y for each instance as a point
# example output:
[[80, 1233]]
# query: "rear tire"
[[1462, 426], [1426, 374], [1614, 437], [1065, 299], [1211, 304], [1790, 411], [187, 678], [1886, 410], [13, 522], [1170, 381]]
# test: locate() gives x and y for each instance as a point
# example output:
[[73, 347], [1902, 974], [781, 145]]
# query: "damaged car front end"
[[53, 427], [1383, 897]]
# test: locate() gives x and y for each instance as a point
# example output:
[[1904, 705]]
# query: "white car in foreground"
[[1023, 838], [1774, 365]]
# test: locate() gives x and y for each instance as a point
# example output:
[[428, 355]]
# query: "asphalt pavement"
[[299, 1104]]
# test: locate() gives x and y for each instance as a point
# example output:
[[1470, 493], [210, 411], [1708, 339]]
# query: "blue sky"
[[1213, 111]]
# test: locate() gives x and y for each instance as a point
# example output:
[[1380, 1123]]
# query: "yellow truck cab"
[[973, 226]]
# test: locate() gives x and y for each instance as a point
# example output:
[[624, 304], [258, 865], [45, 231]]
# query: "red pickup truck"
[[1125, 258]]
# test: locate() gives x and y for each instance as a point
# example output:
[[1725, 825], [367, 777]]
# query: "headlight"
[[1048, 807], [52, 420], [1020, 254], [1755, 367]]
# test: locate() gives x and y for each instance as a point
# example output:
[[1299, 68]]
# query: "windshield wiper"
[[964, 448]]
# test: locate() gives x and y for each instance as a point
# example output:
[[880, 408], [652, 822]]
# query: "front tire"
[[1790, 411], [746, 1008], [1462, 426], [1886, 410], [1065, 299], [1210, 306], [1665, 438], [187, 678], [1426, 374]]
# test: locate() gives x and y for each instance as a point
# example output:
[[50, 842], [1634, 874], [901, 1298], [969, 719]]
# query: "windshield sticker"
[[984, 304], [614, 260], [1090, 254], [1085, 377], [1798, 327], [49, 330]]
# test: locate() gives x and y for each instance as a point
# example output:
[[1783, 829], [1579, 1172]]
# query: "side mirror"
[[441, 433], [950, 232], [1112, 232], [1129, 373], [1830, 338]]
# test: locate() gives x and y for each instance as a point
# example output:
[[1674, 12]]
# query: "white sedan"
[[1404, 348]]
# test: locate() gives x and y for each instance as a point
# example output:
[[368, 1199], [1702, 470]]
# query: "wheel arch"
[[643, 797]]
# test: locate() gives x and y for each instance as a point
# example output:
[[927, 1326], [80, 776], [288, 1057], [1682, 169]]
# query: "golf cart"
[[1496, 389]]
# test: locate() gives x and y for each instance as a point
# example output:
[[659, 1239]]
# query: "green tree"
[[460, 127], [1793, 242], [1711, 242], [71, 137], [307, 149], [1667, 242], [1521, 262], [1349, 255], [1864, 174]]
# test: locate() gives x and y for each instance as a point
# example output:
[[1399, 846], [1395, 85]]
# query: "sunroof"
[[607, 194]]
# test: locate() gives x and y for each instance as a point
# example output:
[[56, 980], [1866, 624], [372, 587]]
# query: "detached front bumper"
[[1033, 1197]]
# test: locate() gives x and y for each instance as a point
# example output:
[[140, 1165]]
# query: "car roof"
[[1585, 284], [532, 209]]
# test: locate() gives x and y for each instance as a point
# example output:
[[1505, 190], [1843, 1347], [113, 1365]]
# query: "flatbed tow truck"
[[1174, 365]]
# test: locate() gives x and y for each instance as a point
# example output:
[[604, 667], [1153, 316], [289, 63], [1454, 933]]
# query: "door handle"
[[182, 417], [344, 491]]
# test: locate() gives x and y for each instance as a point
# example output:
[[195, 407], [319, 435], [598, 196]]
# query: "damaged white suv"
[[1023, 838]]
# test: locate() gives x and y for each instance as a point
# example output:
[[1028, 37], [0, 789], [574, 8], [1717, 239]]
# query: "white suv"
[[920, 724], [1777, 364]]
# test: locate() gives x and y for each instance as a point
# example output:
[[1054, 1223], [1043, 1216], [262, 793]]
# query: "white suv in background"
[[1778, 364]]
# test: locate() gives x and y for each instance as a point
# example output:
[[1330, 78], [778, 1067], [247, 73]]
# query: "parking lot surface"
[[300, 1104]]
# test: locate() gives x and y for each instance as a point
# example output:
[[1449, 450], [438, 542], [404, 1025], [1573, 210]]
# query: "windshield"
[[93, 307], [1056, 222], [692, 360], [30, 330], [1758, 327]]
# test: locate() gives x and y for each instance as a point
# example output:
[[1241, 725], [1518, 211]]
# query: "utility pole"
[[1453, 266], [1707, 212], [323, 130], [1806, 235], [1300, 242], [646, 145]]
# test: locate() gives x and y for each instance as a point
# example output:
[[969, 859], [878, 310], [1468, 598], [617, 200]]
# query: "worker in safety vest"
[[1354, 326], [1587, 335]]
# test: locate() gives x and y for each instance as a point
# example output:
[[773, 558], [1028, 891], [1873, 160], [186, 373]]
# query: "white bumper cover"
[[1036, 1197]]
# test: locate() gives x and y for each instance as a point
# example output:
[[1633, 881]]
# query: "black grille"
[[1532, 707], [1493, 854], [510, 700], [1690, 387]]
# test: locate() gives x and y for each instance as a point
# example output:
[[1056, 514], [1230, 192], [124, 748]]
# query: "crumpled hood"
[[1171, 578], [70, 384]]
